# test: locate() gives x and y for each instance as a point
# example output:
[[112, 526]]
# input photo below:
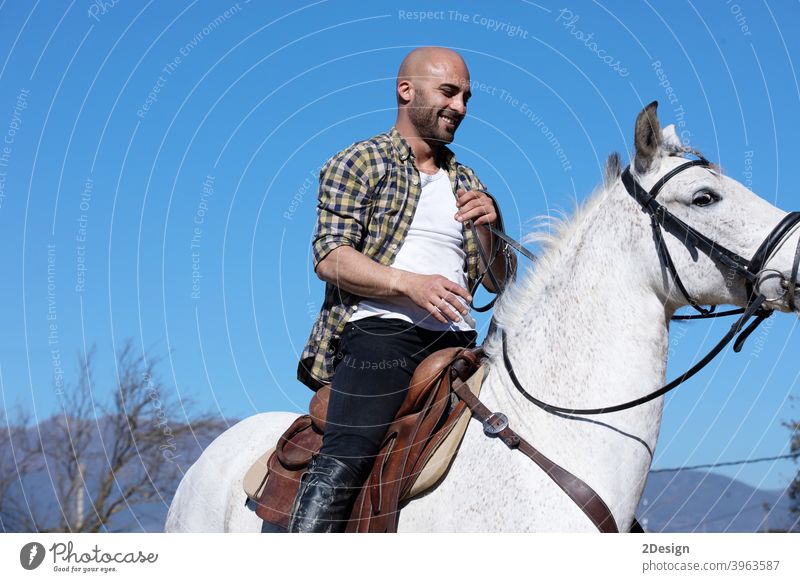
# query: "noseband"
[[752, 271]]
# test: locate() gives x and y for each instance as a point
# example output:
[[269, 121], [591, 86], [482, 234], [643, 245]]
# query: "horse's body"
[[587, 328]]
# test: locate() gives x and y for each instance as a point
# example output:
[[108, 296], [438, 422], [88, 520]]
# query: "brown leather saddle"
[[425, 419], [442, 397]]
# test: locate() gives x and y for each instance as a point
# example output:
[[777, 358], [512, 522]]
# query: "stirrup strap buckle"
[[495, 423]]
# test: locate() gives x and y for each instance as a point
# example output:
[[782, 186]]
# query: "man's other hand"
[[436, 294]]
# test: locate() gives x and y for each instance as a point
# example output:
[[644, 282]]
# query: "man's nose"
[[459, 105]]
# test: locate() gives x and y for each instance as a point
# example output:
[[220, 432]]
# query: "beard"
[[426, 120]]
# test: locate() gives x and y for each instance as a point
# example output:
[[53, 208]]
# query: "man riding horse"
[[396, 240]]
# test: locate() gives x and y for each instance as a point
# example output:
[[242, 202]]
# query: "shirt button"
[[394, 246]]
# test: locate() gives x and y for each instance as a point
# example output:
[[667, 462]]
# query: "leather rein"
[[752, 271]]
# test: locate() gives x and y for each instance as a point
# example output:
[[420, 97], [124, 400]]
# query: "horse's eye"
[[704, 198]]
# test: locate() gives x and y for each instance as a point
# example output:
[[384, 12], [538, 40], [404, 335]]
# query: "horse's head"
[[730, 216]]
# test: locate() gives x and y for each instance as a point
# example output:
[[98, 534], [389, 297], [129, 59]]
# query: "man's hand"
[[436, 294], [476, 206], [479, 207], [352, 271]]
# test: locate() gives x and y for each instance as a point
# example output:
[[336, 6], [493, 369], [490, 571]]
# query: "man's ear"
[[405, 91]]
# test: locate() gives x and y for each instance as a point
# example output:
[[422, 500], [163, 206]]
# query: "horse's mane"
[[549, 233]]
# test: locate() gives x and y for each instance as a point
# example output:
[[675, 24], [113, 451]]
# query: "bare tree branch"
[[107, 451]]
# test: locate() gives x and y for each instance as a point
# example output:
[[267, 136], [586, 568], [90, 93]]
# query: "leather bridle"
[[661, 218], [752, 271]]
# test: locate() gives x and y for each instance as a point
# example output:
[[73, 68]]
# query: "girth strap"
[[582, 494]]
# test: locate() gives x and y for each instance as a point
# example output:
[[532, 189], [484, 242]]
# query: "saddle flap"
[[441, 454], [412, 439]]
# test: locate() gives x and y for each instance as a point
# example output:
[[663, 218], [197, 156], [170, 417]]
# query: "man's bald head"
[[432, 93], [431, 61]]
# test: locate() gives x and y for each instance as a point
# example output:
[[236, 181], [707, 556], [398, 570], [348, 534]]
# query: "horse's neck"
[[586, 330]]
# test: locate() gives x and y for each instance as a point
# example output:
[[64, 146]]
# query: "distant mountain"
[[698, 501], [684, 501]]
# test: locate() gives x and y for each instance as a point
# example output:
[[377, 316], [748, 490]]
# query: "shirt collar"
[[400, 145]]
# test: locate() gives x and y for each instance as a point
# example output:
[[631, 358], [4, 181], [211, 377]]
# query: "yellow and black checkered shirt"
[[367, 197]]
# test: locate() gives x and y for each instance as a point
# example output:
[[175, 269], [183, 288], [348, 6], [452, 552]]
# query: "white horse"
[[587, 327]]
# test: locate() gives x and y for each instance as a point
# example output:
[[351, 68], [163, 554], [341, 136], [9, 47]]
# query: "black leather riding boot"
[[325, 498]]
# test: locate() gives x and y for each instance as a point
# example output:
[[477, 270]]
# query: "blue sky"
[[160, 179]]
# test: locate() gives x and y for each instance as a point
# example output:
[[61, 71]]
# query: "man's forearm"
[[352, 271], [356, 273]]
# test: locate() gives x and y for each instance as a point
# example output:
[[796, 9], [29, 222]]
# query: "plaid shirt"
[[367, 197]]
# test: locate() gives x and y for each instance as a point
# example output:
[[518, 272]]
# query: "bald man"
[[394, 244]]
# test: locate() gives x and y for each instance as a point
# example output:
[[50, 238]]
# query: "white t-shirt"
[[434, 245]]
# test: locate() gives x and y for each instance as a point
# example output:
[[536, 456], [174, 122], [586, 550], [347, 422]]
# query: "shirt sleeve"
[[342, 205]]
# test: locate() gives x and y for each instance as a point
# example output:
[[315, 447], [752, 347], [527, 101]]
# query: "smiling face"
[[432, 93]]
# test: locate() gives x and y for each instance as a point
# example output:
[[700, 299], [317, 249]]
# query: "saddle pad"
[[440, 460], [256, 476]]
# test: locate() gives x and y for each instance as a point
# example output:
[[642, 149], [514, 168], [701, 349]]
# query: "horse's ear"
[[647, 137]]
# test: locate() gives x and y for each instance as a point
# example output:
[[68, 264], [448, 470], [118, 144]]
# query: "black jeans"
[[375, 361]]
